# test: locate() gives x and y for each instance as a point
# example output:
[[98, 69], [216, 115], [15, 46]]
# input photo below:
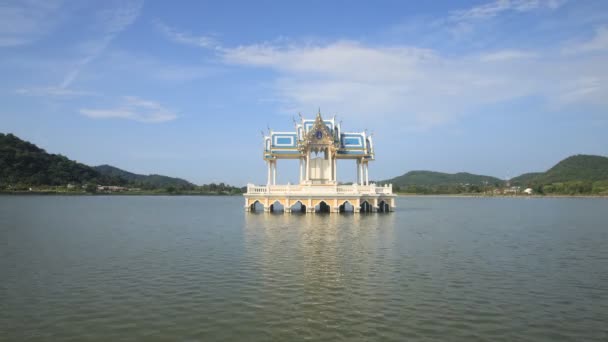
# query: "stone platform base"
[[321, 203]]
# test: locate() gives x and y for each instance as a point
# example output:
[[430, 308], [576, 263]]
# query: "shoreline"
[[500, 196], [405, 195], [55, 193]]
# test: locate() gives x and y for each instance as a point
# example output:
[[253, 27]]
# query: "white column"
[[331, 168], [358, 173], [268, 165], [335, 171], [274, 173], [307, 166], [361, 171], [367, 173]]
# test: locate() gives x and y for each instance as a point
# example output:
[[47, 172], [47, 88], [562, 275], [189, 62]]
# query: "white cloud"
[[599, 42], [24, 21], [53, 91], [507, 55], [185, 37], [492, 9], [133, 108], [412, 86]]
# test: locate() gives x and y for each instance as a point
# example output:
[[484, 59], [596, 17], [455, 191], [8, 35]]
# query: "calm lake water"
[[201, 269]]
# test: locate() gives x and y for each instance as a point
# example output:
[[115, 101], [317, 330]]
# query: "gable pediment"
[[319, 134]]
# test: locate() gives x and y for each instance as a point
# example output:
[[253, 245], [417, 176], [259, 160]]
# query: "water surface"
[[199, 268]]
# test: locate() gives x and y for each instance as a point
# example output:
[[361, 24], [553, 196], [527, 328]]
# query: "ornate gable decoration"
[[319, 135]]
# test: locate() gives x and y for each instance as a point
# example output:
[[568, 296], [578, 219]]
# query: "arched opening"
[[347, 207], [276, 206], [384, 207], [256, 206], [298, 207], [365, 207], [322, 207]]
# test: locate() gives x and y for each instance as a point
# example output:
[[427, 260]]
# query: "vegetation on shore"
[[26, 168], [431, 182], [575, 175]]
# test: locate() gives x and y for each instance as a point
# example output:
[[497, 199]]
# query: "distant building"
[[528, 191], [514, 190], [111, 188]]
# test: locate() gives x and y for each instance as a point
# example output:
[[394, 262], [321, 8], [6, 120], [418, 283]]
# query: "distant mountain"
[[23, 163], [155, 181], [578, 168], [432, 178], [525, 179]]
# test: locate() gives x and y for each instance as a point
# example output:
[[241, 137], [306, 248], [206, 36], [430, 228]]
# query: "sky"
[[185, 88]]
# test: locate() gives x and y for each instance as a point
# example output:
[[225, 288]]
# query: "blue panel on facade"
[[284, 140], [352, 141]]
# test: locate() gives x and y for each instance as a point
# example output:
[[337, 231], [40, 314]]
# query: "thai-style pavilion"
[[317, 145]]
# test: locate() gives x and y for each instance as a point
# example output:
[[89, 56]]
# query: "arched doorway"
[[256, 206], [384, 207], [276, 206], [298, 207], [322, 207], [365, 207], [347, 207]]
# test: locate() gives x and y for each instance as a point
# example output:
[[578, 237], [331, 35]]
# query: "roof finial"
[[319, 111]]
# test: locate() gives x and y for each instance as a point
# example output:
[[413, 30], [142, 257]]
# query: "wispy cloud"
[[507, 55], [185, 37], [492, 9], [24, 21], [54, 92], [133, 108], [599, 42], [421, 87], [462, 23], [155, 69], [414, 86], [112, 23]]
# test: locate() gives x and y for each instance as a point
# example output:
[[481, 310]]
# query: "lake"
[[201, 269]]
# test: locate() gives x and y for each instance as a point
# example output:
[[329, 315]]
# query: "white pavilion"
[[317, 145]]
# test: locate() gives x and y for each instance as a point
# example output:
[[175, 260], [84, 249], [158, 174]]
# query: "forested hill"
[[143, 180], [432, 178], [23, 163], [431, 182], [573, 175]]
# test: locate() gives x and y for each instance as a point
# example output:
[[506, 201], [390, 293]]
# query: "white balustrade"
[[354, 189]]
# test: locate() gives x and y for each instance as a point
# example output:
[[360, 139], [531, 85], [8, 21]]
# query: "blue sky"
[[184, 89]]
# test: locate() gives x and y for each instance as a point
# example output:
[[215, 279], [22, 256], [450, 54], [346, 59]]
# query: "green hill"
[[525, 179], [23, 164], [581, 167], [144, 181], [579, 174], [429, 182], [577, 168], [432, 178]]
